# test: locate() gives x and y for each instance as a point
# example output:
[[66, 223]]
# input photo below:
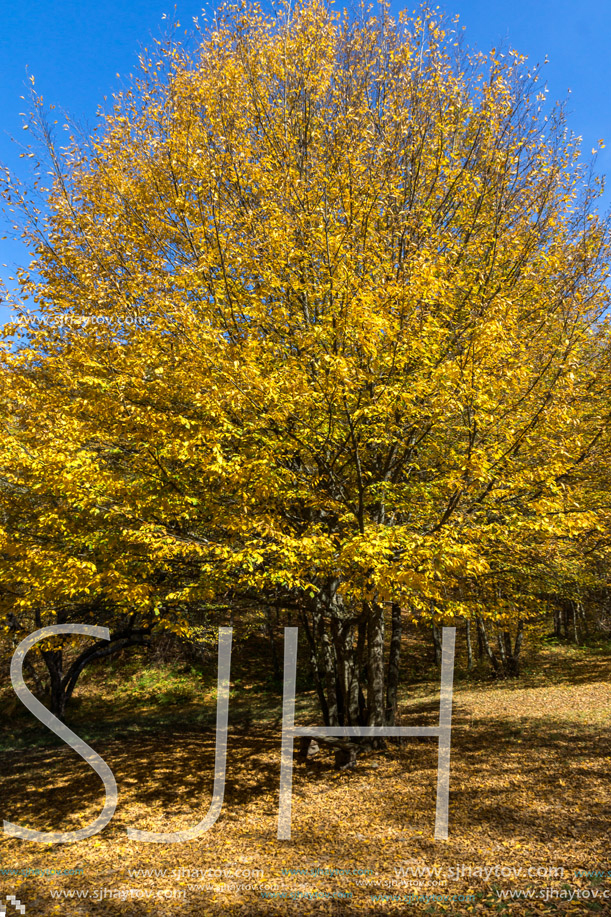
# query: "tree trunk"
[[481, 629], [480, 643], [469, 645], [375, 665], [345, 757], [348, 687], [512, 654], [272, 644], [318, 681], [348, 661], [518, 643], [582, 616], [394, 659], [54, 662], [436, 643], [329, 668], [361, 668], [63, 685], [41, 689], [500, 640], [575, 625]]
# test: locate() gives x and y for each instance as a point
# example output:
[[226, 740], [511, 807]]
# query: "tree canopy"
[[321, 324]]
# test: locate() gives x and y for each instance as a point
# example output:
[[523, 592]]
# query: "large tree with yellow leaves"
[[317, 302]]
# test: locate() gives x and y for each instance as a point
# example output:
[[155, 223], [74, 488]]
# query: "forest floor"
[[530, 801]]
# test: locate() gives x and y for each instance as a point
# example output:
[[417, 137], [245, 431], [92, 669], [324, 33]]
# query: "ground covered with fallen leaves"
[[530, 793]]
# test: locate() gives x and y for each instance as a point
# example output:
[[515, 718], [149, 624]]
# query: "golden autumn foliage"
[[319, 307]]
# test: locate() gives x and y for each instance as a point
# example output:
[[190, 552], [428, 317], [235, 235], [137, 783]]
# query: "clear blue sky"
[[74, 50]]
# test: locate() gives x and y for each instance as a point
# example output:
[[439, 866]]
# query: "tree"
[[316, 297]]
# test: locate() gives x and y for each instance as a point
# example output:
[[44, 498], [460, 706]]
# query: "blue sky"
[[75, 50]]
